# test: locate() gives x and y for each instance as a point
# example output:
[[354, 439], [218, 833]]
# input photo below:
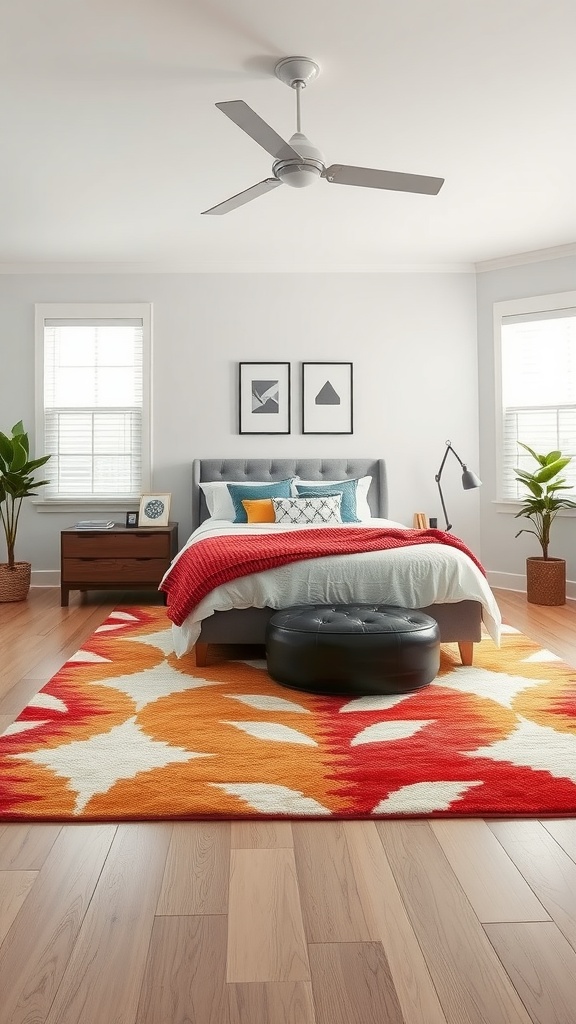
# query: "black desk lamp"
[[469, 479]]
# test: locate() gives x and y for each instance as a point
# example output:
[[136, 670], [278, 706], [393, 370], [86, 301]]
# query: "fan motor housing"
[[300, 173]]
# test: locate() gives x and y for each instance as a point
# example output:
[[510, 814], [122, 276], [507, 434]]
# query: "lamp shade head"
[[470, 480]]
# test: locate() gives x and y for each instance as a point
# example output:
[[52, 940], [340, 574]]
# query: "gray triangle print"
[[327, 395]]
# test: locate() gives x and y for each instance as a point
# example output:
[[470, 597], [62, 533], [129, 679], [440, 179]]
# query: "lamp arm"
[[449, 448]]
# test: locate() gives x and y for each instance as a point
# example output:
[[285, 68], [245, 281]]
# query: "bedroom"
[[397, 284]]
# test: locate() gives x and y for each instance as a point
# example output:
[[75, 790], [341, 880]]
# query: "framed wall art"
[[327, 398], [264, 398], [154, 510]]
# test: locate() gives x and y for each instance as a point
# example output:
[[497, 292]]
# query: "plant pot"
[[546, 580], [14, 581]]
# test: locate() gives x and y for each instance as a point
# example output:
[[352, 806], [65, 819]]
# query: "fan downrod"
[[297, 71]]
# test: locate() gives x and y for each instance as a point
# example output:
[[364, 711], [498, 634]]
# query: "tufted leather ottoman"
[[352, 648]]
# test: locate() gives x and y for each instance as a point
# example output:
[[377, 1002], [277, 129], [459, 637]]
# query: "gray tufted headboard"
[[279, 469]]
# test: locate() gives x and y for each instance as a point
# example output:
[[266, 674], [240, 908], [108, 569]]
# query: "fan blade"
[[250, 122], [342, 174], [245, 197]]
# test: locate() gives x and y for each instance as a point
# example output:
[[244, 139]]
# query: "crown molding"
[[555, 252], [233, 268]]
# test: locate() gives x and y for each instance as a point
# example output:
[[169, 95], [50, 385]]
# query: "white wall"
[[501, 552], [411, 337]]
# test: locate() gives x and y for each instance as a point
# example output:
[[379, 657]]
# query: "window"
[[93, 401], [536, 358]]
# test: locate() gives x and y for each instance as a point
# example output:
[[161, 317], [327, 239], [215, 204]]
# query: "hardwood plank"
[[36, 950], [26, 847], [494, 886], [542, 966], [14, 888], [352, 984], [471, 983], [549, 871], [185, 972], [264, 892], [564, 832], [379, 892], [261, 835], [277, 1002], [197, 869], [104, 974], [553, 627], [331, 905]]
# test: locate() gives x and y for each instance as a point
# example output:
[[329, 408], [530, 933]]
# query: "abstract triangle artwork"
[[327, 395]]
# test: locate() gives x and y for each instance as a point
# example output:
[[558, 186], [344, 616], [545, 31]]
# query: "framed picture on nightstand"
[[154, 510]]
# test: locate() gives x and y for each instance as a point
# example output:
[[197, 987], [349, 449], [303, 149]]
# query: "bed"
[[459, 618]]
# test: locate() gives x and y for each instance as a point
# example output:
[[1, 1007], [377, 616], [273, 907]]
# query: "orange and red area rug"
[[126, 731]]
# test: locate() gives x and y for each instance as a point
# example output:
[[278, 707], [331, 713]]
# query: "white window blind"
[[538, 367], [94, 407]]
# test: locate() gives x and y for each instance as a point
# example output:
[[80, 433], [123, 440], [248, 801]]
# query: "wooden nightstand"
[[118, 559]]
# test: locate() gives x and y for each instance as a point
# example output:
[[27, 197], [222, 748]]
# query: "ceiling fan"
[[298, 163]]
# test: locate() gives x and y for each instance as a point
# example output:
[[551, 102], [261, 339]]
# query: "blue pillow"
[[347, 488], [239, 492]]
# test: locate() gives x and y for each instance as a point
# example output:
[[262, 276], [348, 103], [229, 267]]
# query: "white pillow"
[[302, 511], [362, 487]]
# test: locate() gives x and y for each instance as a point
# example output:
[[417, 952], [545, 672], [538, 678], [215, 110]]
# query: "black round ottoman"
[[352, 648]]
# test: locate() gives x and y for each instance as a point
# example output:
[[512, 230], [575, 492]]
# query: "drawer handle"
[[88, 559]]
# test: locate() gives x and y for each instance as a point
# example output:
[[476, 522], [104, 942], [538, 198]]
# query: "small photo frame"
[[264, 398], [154, 510], [327, 398], [131, 519]]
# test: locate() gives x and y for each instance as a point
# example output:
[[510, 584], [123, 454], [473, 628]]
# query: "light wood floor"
[[391, 922]]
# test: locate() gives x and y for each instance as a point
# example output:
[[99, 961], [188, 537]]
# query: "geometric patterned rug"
[[127, 731]]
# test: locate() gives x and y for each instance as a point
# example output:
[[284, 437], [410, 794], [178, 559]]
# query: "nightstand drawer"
[[115, 545], [113, 570]]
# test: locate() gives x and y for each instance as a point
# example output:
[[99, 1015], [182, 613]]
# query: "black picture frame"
[[327, 398], [264, 398], [131, 519]]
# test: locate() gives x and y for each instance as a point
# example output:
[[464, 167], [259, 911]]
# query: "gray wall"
[[501, 552], [411, 337]]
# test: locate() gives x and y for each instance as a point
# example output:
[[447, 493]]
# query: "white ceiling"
[[112, 144]]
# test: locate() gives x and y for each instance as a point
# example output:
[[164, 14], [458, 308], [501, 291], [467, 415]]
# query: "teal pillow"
[[240, 492], [347, 488]]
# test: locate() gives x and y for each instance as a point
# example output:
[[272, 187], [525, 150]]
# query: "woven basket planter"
[[546, 581], [14, 581]]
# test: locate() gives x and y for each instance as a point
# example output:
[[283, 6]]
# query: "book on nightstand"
[[94, 524]]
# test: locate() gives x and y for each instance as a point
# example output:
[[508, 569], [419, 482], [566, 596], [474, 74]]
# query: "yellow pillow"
[[259, 510]]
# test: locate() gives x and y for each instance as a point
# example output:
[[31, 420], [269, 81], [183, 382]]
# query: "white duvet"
[[414, 577]]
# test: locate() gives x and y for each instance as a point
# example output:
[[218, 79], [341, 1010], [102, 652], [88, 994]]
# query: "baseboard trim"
[[517, 581], [45, 578]]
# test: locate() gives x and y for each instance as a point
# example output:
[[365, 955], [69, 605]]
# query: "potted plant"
[[545, 576], [16, 483]]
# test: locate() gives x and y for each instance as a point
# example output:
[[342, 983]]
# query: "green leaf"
[[20, 456], [552, 457], [549, 471], [6, 449], [18, 428]]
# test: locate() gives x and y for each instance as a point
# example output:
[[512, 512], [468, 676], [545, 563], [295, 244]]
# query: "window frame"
[[98, 310], [517, 307]]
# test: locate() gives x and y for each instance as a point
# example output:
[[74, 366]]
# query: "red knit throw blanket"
[[209, 563]]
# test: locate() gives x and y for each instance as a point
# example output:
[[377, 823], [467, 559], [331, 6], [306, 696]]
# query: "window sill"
[[512, 507], [122, 505]]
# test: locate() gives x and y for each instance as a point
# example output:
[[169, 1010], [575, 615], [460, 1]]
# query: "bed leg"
[[201, 651], [466, 648]]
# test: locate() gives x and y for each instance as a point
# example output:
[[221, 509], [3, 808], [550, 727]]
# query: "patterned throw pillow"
[[302, 511], [347, 489]]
